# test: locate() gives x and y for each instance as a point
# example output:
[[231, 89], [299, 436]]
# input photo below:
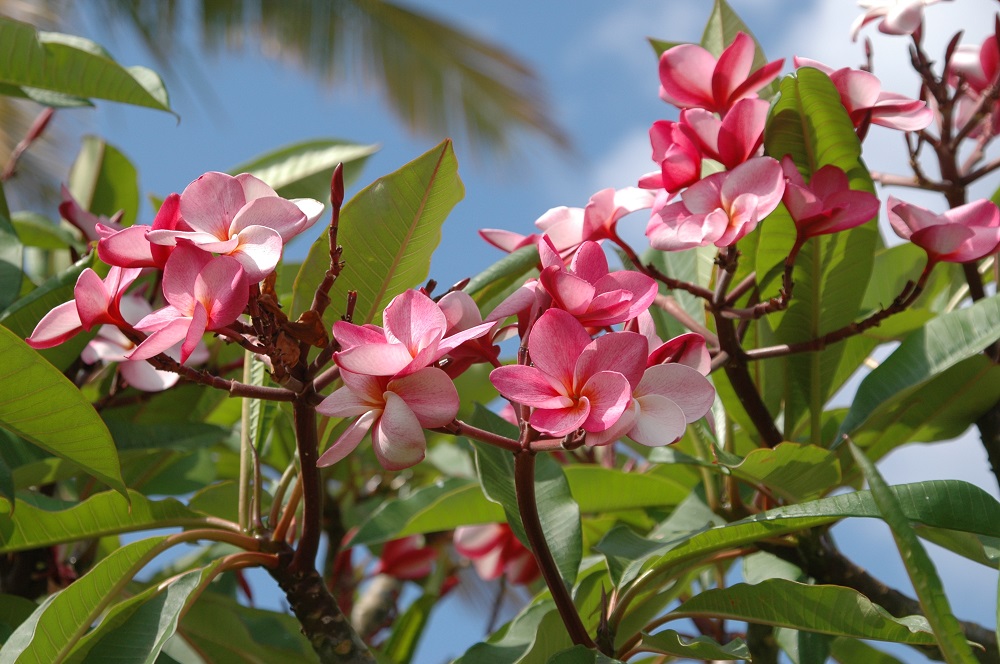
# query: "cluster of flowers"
[[720, 130], [398, 379], [212, 242]]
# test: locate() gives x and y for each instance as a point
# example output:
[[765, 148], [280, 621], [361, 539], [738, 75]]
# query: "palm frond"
[[436, 77]]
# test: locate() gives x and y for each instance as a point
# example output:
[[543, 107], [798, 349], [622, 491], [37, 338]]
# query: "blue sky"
[[600, 76]]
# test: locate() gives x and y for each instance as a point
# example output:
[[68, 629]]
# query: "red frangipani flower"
[[691, 77], [575, 382], [495, 551], [406, 558]]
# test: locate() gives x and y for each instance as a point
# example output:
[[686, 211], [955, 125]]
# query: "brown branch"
[[307, 441], [524, 484]]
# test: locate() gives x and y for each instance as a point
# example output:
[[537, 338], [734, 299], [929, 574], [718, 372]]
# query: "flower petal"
[[349, 440], [398, 438], [430, 394]]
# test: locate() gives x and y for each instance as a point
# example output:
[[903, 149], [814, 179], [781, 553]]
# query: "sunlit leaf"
[[939, 345], [58, 624], [669, 642], [11, 257], [104, 181], [834, 610], [37, 523], [791, 470], [41, 405], [73, 66], [809, 123], [389, 231], [304, 170]]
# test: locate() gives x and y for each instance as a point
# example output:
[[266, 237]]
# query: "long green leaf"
[[831, 610], [930, 591], [492, 285], [942, 504], [810, 124], [104, 181], [581, 655], [58, 624], [408, 628], [36, 524], [41, 405], [73, 66], [304, 170], [791, 470], [850, 651], [389, 231], [35, 230], [135, 631], [939, 409], [942, 343]]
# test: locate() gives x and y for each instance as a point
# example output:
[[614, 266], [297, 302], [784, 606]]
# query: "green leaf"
[[104, 181], [73, 66], [408, 628], [41, 405], [622, 547], [443, 505], [224, 632], [939, 345], [930, 591], [389, 231], [810, 124], [939, 409], [530, 638], [581, 655], [36, 524], [135, 631], [791, 470], [833, 610], [14, 610], [669, 642], [304, 170], [600, 490], [22, 316], [492, 285], [850, 651], [942, 504], [982, 549], [58, 624], [35, 230], [11, 257]]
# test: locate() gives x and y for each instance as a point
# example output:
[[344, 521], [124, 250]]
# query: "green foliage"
[[390, 229], [39, 404], [58, 69], [11, 257], [104, 181]]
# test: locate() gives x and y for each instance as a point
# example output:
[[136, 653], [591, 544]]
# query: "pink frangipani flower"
[[569, 227], [462, 313], [397, 410], [131, 247], [587, 290], [862, 95], [676, 150], [827, 204], [240, 217], [414, 337], [85, 221], [899, 17], [203, 292], [720, 209], [111, 345], [965, 233], [495, 551], [735, 138], [691, 77], [575, 382], [95, 301]]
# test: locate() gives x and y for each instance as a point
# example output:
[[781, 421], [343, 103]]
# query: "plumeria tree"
[[613, 428]]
